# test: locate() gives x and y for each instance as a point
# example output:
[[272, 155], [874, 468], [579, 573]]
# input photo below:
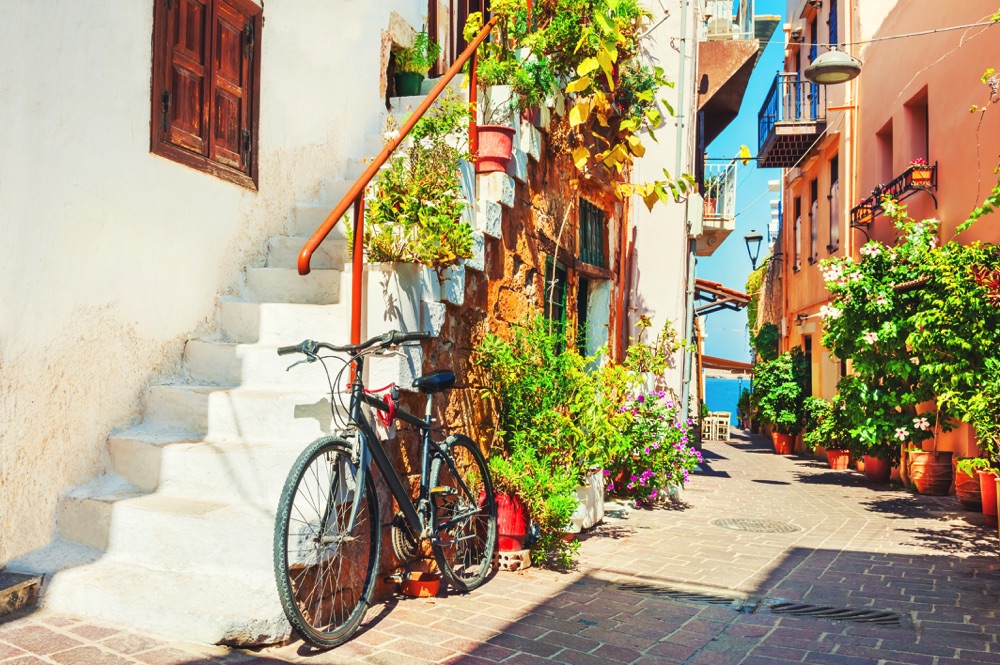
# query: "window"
[[833, 22], [884, 138], [813, 39], [834, 198], [592, 234], [582, 301], [814, 221], [798, 234], [555, 292], [918, 129], [205, 90]]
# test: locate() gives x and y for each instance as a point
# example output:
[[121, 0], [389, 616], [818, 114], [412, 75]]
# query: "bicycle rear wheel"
[[325, 572], [465, 513]]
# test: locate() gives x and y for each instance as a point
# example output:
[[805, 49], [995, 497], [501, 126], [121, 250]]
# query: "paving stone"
[[90, 656], [36, 639]]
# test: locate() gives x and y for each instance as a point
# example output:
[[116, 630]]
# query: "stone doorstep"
[[18, 591]]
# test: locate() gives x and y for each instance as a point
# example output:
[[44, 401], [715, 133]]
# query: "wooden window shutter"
[[183, 96], [232, 64]]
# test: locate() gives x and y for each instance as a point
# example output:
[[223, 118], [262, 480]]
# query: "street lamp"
[[833, 67], [753, 240]]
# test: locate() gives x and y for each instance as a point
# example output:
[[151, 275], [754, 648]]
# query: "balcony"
[[731, 40], [719, 218], [915, 179], [791, 119]]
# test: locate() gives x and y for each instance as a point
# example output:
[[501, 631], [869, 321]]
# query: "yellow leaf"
[[604, 59], [650, 200], [587, 66], [602, 119], [580, 157], [638, 149], [579, 85], [579, 113]]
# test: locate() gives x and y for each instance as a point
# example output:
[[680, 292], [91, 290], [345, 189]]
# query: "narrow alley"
[[678, 585]]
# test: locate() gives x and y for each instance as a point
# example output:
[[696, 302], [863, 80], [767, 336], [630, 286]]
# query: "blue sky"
[[730, 265]]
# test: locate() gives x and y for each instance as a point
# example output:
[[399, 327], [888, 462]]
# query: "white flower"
[[855, 277], [932, 243], [828, 312], [833, 273], [871, 249], [881, 301], [391, 136], [870, 337], [901, 433], [915, 360], [921, 424]]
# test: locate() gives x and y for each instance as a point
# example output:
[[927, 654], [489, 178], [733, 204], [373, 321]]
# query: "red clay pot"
[[988, 491], [930, 472], [783, 443], [877, 470], [512, 523], [496, 144], [967, 490], [838, 459]]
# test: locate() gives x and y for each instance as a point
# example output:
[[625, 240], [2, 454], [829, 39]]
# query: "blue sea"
[[722, 395]]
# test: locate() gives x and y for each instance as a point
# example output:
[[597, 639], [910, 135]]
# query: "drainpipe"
[[689, 327]]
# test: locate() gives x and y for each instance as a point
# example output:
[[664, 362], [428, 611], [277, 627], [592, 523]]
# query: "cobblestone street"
[[669, 586]]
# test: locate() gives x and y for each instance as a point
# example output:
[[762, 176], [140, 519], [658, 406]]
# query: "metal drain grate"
[[756, 526], [877, 617], [677, 594]]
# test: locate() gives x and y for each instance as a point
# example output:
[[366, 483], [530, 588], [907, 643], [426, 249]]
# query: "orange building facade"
[[841, 146]]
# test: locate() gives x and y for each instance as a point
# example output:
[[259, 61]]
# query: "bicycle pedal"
[[442, 490]]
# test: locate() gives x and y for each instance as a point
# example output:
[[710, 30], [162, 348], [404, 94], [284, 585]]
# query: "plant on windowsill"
[[920, 173], [711, 187], [413, 63]]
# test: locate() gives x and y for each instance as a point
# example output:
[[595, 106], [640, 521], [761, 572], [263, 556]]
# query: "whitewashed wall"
[[660, 265], [110, 257]]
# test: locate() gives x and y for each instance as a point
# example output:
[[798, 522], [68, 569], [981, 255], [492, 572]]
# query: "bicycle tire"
[[464, 552], [322, 592]]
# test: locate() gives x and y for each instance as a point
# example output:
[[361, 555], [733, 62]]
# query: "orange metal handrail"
[[355, 195]]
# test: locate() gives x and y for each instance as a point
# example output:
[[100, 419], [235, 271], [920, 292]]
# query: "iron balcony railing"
[[728, 19], [790, 100], [720, 192]]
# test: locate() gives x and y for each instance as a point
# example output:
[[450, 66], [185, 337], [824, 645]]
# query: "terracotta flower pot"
[[838, 459], [920, 177], [421, 585], [512, 523], [967, 490], [496, 144], [930, 472], [988, 492], [877, 470], [783, 443]]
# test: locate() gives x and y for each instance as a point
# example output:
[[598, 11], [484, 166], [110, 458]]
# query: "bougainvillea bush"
[[659, 454]]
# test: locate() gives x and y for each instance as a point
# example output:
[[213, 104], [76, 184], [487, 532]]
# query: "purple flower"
[[640, 398], [606, 472], [647, 450], [635, 477], [631, 485]]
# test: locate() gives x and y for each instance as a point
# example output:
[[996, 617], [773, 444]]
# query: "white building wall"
[[111, 256], [659, 251]]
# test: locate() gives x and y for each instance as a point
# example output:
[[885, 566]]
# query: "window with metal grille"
[[592, 232], [205, 85], [555, 296]]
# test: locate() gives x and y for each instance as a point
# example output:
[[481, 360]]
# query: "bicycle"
[[327, 532]]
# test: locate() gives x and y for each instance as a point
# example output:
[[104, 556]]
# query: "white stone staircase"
[[176, 537]]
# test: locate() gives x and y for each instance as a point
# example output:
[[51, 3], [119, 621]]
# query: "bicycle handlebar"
[[391, 338]]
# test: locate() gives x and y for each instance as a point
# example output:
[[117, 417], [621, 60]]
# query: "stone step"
[[283, 324], [283, 252], [252, 366], [240, 414], [84, 513], [186, 464], [281, 285], [331, 190], [306, 218], [230, 606], [178, 533]]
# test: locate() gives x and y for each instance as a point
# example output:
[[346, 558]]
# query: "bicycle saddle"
[[435, 382]]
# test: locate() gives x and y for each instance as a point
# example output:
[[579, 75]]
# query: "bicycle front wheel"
[[324, 566], [465, 513]]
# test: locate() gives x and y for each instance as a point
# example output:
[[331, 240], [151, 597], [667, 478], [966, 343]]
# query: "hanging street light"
[[833, 67], [753, 240]]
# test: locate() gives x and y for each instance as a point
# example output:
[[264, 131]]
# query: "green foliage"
[[754, 283], [653, 358], [744, 405], [779, 391], [765, 342], [415, 208], [969, 465], [418, 58], [825, 424]]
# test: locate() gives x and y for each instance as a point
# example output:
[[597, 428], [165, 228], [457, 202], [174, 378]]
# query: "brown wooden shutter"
[[185, 88], [231, 86]]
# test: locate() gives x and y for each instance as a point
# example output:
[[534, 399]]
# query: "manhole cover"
[[756, 526]]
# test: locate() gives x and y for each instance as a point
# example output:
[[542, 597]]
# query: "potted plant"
[[744, 408], [779, 394], [712, 192], [413, 63], [920, 173], [967, 485], [825, 428]]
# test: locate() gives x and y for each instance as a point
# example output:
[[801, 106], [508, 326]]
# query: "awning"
[[718, 297], [724, 365]]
